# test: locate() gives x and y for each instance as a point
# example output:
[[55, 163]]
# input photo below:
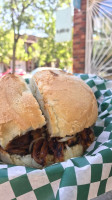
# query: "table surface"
[[106, 196]]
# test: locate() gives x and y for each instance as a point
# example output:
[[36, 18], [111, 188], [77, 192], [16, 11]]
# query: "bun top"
[[19, 111], [68, 103]]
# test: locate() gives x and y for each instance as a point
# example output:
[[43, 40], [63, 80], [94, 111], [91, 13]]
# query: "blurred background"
[[72, 35]]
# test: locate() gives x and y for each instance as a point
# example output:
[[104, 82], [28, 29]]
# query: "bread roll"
[[19, 111], [67, 102]]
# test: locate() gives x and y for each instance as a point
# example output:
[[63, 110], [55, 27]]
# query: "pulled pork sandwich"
[[52, 127], [20, 121], [70, 109]]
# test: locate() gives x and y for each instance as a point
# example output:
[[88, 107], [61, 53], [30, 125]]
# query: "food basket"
[[79, 178]]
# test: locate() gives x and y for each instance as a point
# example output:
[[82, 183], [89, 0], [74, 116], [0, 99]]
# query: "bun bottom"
[[28, 161]]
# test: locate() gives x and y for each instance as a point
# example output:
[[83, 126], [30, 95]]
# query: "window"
[[99, 37]]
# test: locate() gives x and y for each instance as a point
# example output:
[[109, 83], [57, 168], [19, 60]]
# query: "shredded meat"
[[46, 145], [57, 149], [40, 150], [19, 151], [72, 141], [19, 145], [85, 137]]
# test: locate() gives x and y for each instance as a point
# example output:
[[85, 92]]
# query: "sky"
[[107, 5], [36, 32]]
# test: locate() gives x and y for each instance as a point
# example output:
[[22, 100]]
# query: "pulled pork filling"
[[40, 145]]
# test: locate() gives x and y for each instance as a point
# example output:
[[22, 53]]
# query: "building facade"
[[79, 36], [92, 39]]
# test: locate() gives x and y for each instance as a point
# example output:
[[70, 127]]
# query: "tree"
[[6, 47], [6, 43], [47, 50], [18, 15]]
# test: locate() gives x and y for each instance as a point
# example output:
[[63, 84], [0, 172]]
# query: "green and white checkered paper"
[[81, 178]]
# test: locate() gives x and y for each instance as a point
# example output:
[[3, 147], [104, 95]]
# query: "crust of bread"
[[28, 161], [67, 102], [19, 111]]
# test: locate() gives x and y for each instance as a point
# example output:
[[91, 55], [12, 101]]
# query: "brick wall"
[[79, 39]]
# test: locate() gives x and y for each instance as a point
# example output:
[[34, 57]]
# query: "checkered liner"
[[78, 178]]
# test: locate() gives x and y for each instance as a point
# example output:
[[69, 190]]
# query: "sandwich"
[[70, 111], [20, 121], [48, 123]]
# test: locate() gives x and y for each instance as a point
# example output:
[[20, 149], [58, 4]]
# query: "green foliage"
[[6, 47], [6, 43], [20, 51], [48, 50], [17, 15]]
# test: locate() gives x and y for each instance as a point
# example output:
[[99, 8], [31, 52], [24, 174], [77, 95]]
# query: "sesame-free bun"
[[19, 111], [67, 102]]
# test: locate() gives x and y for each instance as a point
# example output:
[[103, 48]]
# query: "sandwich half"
[[70, 110], [21, 121]]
